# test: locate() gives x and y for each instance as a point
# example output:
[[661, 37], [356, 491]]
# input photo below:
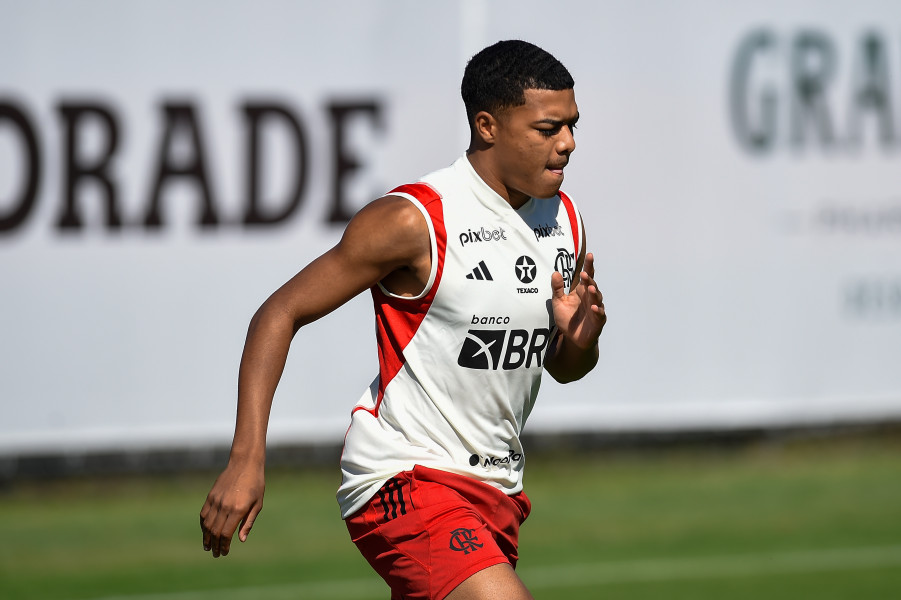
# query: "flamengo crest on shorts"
[[460, 364]]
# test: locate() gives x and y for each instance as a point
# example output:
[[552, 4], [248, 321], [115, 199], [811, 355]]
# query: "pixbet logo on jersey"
[[482, 235], [546, 231], [493, 349]]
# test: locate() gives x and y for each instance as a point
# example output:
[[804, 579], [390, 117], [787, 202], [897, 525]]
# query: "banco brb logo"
[[493, 349]]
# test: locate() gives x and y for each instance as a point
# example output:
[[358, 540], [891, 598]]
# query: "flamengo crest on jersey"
[[460, 364]]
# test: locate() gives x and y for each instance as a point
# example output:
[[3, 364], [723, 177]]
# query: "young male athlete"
[[480, 282]]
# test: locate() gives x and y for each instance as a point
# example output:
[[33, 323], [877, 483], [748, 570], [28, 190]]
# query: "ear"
[[484, 127]]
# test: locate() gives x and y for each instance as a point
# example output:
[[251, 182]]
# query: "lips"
[[556, 170]]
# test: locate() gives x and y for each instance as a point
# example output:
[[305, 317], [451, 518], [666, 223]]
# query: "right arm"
[[387, 237]]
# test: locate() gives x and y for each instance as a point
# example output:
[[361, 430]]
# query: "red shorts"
[[426, 531]]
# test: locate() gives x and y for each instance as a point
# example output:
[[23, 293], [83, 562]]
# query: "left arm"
[[580, 318]]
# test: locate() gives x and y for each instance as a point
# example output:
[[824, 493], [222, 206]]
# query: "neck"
[[485, 167]]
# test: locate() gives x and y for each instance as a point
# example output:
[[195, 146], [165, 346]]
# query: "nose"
[[567, 142]]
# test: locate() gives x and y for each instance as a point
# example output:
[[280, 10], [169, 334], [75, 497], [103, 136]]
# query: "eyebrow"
[[557, 122]]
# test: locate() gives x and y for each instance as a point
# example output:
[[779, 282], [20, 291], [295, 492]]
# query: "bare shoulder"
[[390, 228], [394, 212]]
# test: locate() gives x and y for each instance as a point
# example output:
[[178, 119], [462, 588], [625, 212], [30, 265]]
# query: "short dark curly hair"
[[497, 77]]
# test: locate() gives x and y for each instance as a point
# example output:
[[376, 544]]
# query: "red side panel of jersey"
[[573, 222], [397, 319]]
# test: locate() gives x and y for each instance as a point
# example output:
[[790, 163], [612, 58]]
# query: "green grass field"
[[815, 518]]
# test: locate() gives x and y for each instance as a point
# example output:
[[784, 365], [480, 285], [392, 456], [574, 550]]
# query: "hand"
[[236, 497], [579, 314]]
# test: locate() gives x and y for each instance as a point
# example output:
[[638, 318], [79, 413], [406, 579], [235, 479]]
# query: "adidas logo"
[[481, 272]]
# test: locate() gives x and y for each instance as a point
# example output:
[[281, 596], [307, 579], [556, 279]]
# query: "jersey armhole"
[[433, 244], [576, 226]]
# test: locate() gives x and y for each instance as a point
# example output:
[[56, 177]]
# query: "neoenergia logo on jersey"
[[495, 462], [502, 349]]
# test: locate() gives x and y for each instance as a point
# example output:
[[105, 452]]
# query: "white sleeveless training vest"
[[460, 364]]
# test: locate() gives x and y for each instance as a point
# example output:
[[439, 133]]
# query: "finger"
[[594, 292], [206, 533], [222, 531], [557, 286], [587, 288], [597, 298], [598, 307], [590, 302], [225, 542], [589, 265], [587, 280], [590, 295], [247, 524], [206, 519], [212, 532]]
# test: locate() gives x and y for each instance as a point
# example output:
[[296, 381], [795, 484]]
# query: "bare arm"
[[388, 237]]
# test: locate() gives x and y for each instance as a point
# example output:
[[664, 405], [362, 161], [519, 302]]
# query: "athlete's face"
[[534, 142]]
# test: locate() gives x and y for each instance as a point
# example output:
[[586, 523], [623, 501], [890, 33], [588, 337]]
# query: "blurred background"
[[165, 166]]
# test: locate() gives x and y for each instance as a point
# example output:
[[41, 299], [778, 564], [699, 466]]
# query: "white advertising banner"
[[165, 166]]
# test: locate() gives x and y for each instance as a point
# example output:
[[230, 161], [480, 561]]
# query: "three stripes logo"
[[481, 272], [391, 498]]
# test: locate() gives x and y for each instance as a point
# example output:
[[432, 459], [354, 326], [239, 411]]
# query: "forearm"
[[567, 362], [262, 363]]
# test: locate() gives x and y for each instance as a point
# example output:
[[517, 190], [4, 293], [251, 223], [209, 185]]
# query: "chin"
[[547, 192]]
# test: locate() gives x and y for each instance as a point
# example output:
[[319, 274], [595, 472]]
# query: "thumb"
[[557, 286], [247, 523]]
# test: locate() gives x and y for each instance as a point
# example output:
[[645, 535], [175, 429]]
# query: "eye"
[[549, 132]]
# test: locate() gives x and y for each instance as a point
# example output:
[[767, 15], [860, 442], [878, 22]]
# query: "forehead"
[[548, 104]]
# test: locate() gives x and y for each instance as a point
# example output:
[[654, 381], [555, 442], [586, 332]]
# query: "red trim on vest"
[[398, 319], [573, 222]]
